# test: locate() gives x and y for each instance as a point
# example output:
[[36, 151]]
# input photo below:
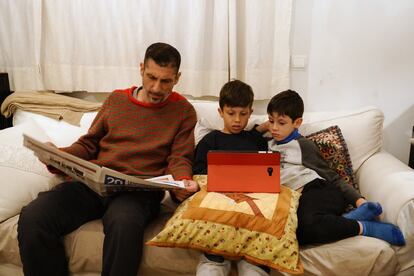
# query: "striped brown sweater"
[[142, 139]]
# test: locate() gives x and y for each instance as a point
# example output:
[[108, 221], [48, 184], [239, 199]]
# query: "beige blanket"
[[49, 104]]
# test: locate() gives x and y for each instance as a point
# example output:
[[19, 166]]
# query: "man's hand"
[[50, 168], [40, 159], [191, 187]]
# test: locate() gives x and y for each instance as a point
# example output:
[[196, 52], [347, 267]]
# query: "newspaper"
[[102, 180]]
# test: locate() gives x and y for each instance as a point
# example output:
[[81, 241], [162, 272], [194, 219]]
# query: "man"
[[138, 131]]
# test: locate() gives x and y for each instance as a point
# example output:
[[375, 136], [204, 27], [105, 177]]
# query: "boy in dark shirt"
[[235, 101], [235, 107]]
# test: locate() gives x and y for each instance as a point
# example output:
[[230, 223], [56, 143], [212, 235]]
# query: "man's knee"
[[30, 217], [31, 229], [39, 216]]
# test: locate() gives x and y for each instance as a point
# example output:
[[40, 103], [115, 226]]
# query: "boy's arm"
[[257, 133], [200, 155], [263, 127], [312, 159]]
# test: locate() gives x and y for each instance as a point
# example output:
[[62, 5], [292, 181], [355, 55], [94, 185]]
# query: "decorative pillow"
[[23, 176], [259, 227], [334, 150]]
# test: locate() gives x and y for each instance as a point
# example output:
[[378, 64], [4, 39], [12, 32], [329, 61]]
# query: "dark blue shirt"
[[216, 140]]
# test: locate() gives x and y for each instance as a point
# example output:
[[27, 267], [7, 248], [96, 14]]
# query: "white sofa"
[[381, 177]]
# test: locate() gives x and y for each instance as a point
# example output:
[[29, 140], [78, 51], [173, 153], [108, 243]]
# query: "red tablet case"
[[249, 172]]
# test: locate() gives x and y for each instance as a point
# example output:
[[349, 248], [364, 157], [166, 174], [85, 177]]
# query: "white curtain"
[[20, 35], [96, 45], [259, 44]]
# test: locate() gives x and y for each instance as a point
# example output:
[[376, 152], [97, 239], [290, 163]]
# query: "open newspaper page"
[[100, 179]]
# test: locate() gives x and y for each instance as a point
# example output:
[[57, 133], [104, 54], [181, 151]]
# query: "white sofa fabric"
[[381, 177], [22, 177]]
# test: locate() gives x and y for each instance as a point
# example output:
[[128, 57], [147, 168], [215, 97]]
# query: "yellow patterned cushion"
[[260, 227]]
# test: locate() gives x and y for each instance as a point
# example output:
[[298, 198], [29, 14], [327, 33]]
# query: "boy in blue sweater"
[[325, 195]]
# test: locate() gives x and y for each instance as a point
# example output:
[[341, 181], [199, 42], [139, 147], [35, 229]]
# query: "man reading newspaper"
[[101, 180], [138, 131]]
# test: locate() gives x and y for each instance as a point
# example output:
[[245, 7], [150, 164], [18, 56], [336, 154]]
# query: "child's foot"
[[213, 266], [367, 211], [384, 231]]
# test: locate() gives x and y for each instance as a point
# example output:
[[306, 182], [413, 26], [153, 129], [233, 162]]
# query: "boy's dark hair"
[[236, 93], [163, 54], [287, 103]]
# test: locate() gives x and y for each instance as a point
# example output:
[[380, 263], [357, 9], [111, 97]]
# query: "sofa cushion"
[[60, 133], [23, 176], [357, 256], [261, 227], [334, 150], [84, 250]]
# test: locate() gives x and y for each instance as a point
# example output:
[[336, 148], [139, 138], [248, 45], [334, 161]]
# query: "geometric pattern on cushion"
[[259, 227], [334, 150]]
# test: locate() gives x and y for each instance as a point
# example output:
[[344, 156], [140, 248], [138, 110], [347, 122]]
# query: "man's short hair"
[[163, 54], [287, 103], [236, 93]]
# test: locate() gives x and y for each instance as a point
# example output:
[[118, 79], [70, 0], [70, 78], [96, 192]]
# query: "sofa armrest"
[[385, 179]]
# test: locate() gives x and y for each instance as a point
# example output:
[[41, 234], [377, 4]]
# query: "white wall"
[[359, 53]]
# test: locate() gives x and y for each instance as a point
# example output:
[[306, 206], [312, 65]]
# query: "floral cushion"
[[259, 227], [334, 150]]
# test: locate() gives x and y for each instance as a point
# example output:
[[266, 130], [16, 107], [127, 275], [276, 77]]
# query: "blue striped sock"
[[367, 211], [384, 231]]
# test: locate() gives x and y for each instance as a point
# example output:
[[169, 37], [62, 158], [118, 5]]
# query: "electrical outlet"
[[298, 61]]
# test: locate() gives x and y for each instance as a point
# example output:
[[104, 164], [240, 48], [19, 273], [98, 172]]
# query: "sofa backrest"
[[362, 128]]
